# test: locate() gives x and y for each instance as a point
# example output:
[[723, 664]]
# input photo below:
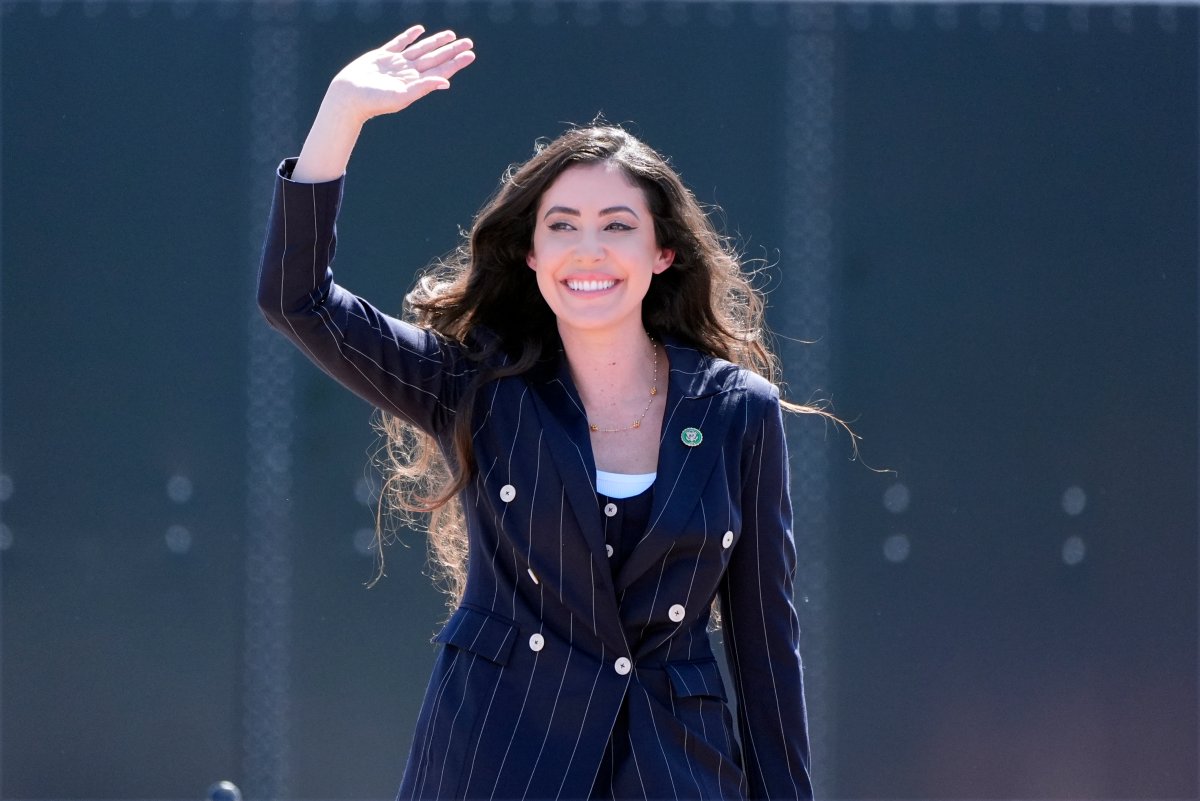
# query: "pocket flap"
[[482, 633], [696, 678]]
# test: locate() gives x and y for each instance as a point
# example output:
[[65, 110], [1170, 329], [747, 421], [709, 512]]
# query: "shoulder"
[[705, 374], [484, 347], [756, 387]]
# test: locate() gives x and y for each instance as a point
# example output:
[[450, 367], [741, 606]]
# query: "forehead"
[[600, 185]]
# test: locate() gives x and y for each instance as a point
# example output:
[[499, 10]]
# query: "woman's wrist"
[[330, 141]]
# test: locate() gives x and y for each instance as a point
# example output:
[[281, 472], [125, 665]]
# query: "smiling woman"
[[582, 399], [595, 251]]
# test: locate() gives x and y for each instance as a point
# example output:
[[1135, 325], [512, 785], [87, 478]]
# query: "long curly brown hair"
[[705, 299]]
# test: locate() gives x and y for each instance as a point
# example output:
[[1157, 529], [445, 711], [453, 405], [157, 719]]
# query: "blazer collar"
[[696, 384], [694, 374], [698, 400]]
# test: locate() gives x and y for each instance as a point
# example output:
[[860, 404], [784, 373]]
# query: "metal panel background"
[[1017, 321]]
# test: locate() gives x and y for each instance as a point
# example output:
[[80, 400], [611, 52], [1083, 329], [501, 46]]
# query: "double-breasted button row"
[[508, 492], [622, 665]]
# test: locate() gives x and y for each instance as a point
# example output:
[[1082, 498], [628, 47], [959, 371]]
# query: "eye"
[[560, 226], [618, 226]]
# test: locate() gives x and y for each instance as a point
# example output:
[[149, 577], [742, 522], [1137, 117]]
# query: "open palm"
[[407, 68]]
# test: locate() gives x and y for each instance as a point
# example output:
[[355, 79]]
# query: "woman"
[[615, 472]]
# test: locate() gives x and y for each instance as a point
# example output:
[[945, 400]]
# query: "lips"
[[590, 285]]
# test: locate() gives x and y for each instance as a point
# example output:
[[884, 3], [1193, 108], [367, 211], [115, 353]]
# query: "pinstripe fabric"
[[549, 649]]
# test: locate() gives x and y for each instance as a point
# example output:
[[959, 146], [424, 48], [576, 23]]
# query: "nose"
[[589, 248]]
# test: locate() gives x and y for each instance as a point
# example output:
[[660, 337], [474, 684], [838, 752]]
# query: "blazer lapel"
[[564, 425], [696, 400]]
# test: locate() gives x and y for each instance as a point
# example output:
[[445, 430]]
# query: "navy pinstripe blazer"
[[548, 644]]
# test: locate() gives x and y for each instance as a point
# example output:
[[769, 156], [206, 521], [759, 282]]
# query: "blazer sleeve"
[[398, 367], [762, 631]]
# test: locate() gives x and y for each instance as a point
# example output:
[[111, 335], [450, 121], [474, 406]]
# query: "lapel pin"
[[691, 437]]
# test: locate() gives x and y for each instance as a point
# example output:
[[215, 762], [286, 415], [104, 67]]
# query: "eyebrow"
[[575, 212]]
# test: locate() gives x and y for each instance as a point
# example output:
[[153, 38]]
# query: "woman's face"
[[594, 250]]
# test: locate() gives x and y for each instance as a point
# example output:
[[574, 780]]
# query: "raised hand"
[[380, 81], [407, 68]]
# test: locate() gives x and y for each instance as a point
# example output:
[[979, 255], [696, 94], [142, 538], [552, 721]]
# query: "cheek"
[[546, 289], [542, 276], [541, 253]]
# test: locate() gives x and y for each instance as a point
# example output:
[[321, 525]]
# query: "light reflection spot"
[[1074, 500], [896, 498], [1073, 551], [896, 548], [179, 488], [179, 539], [365, 542]]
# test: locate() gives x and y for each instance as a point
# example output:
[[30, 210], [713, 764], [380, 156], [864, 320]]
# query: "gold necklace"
[[596, 429]]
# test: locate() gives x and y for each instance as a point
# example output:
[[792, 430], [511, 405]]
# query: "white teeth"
[[590, 286]]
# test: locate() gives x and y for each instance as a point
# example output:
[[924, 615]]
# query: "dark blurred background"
[[978, 228]]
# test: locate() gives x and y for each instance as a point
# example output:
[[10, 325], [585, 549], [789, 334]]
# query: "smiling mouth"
[[590, 286]]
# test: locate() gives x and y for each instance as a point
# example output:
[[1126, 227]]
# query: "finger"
[[405, 39], [428, 43], [418, 89], [443, 54], [423, 86], [447, 68]]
